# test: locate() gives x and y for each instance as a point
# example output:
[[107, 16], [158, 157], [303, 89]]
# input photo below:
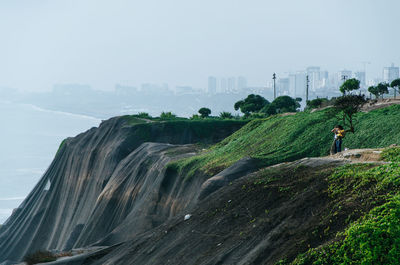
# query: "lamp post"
[[274, 77], [307, 84]]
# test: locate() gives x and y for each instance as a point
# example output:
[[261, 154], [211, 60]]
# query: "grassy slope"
[[287, 138], [364, 199], [375, 237], [199, 129]]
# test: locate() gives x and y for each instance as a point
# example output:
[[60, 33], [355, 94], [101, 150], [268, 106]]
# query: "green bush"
[[167, 116], [391, 154], [143, 115], [375, 239], [226, 115]]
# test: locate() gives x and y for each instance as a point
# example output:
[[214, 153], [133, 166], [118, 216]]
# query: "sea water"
[[29, 139]]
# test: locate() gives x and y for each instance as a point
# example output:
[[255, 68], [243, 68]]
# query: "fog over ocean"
[[29, 139]]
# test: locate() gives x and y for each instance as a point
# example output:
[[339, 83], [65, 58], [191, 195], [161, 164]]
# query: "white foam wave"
[[63, 113], [6, 212], [12, 199]]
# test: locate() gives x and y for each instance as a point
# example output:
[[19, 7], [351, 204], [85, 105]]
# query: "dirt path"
[[360, 155]]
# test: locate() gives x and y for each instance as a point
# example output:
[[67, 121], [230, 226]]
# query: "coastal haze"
[[65, 65], [30, 137], [103, 43]]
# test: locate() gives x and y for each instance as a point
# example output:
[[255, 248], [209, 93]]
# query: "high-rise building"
[[241, 83], [390, 73], [282, 87], [124, 90], [300, 84], [212, 85], [314, 75], [223, 86], [292, 85], [361, 77], [231, 86], [324, 80], [344, 75]]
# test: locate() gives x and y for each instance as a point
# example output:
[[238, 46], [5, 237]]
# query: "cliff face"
[[110, 188], [107, 185], [273, 215]]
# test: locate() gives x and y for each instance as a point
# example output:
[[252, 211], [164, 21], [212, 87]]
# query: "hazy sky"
[[102, 43]]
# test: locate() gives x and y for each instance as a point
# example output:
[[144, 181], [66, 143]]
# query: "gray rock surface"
[[107, 185], [231, 226], [239, 169]]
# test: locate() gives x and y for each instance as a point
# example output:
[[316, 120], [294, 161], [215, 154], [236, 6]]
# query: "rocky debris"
[[361, 155], [378, 104]]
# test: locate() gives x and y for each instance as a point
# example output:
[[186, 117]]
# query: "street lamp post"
[[307, 84], [274, 77]]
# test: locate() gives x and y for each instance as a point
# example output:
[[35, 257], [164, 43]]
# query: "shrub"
[[195, 117], [143, 115], [374, 239], [226, 115], [167, 116], [316, 103], [204, 112], [391, 154], [252, 103]]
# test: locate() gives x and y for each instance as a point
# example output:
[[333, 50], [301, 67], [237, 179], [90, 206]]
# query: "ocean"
[[29, 139]]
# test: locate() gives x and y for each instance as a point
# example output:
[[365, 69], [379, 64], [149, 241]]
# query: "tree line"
[[256, 106]]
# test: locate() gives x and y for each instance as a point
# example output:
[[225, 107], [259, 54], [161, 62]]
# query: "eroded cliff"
[[108, 184]]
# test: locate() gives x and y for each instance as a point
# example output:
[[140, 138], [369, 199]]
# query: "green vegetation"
[[375, 237], [200, 130], [226, 115], [281, 104], [253, 103], [134, 119], [315, 103], [395, 85], [348, 106], [391, 154], [379, 90], [61, 145], [204, 112], [167, 116], [143, 115], [286, 138], [349, 85]]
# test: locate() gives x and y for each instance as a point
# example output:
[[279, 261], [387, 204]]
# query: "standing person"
[[333, 146], [337, 142]]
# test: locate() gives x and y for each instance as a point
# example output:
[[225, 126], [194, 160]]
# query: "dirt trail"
[[360, 155], [380, 103]]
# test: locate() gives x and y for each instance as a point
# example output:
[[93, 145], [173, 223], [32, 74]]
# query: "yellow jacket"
[[340, 133]]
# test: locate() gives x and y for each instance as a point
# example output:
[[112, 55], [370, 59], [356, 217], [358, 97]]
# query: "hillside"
[[277, 214], [287, 138], [127, 185]]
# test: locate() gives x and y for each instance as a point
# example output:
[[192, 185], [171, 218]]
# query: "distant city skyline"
[[181, 43], [293, 83]]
